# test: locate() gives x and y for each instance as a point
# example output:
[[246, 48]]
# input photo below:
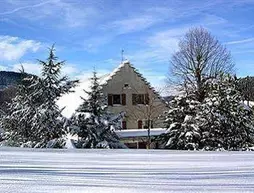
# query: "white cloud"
[[69, 70], [210, 19], [140, 21], [166, 40], [13, 48], [62, 13], [240, 41], [134, 24], [3, 68], [92, 44], [29, 67], [24, 8], [35, 68], [75, 16], [158, 47]]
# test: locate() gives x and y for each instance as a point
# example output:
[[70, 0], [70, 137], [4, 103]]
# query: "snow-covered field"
[[32, 171]]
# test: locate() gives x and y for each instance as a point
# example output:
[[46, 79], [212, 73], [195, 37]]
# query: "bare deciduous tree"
[[200, 57], [150, 111]]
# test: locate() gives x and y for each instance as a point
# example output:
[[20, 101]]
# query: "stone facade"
[[128, 91]]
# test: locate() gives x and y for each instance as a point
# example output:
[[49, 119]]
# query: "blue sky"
[[92, 33]]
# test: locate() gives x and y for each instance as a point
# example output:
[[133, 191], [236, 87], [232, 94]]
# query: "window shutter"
[[134, 99], [146, 99], [139, 124], [124, 125], [123, 99], [110, 99]]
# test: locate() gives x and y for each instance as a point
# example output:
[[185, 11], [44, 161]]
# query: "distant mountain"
[[8, 83], [168, 98], [9, 79]]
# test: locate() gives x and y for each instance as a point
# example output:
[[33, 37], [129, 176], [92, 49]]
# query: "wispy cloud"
[[13, 48], [133, 24], [77, 15], [243, 51], [61, 13], [138, 22], [211, 19], [158, 47], [240, 41], [25, 7]]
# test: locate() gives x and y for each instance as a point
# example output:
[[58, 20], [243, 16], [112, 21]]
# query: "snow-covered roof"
[[108, 77], [140, 132], [71, 101]]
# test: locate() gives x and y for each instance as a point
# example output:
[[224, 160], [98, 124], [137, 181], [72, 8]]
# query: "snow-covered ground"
[[120, 171]]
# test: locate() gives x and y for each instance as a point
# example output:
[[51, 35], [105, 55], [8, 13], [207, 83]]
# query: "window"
[[140, 124], [140, 99], [124, 125], [116, 99]]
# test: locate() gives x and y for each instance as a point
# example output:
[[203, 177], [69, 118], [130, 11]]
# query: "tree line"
[[208, 114], [33, 119]]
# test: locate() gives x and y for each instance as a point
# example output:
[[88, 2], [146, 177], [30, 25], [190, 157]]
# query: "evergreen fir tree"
[[17, 121], [183, 133], [225, 121], [34, 119], [48, 120], [92, 123], [220, 122]]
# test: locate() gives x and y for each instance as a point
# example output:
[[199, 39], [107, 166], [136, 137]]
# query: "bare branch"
[[200, 57]]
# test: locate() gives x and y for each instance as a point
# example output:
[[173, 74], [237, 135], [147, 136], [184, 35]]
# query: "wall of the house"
[[116, 85]]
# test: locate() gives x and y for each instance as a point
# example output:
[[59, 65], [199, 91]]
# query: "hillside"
[[8, 82], [8, 78]]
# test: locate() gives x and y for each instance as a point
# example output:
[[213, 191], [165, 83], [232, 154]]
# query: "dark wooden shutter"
[[123, 99], [110, 99], [124, 125], [146, 99], [134, 99], [139, 124]]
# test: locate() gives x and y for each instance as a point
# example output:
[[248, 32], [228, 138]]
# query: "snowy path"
[[61, 171]]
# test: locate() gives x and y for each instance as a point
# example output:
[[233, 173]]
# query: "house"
[[127, 91]]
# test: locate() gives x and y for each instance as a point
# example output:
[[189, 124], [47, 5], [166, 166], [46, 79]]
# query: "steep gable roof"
[[129, 65], [71, 101]]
